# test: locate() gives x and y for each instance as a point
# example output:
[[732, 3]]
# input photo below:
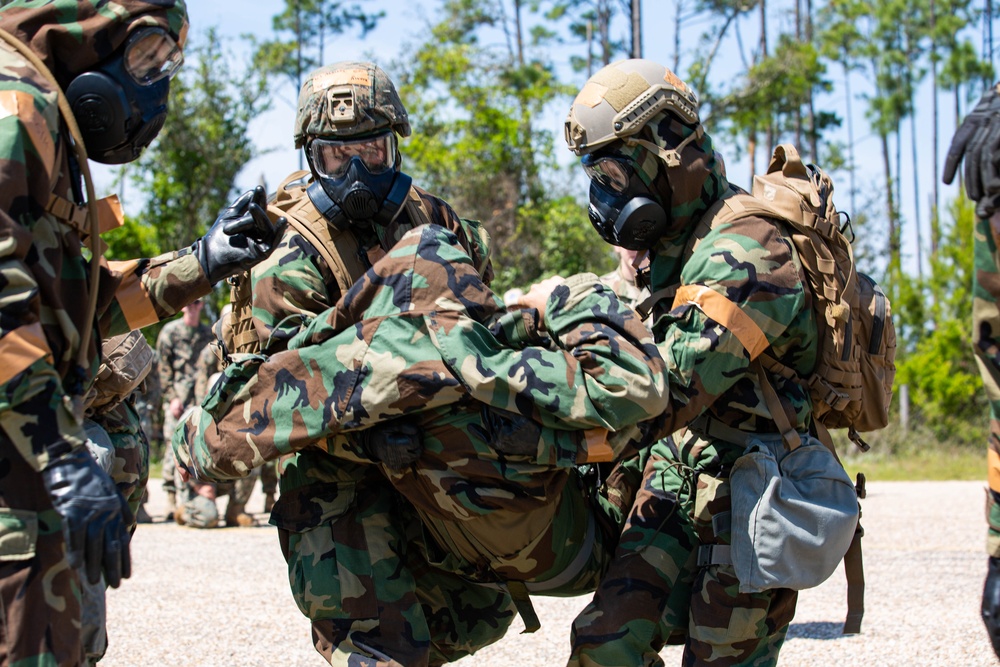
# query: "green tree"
[[475, 143], [187, 175]]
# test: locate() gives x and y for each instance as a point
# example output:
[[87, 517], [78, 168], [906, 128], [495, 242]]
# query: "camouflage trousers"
[[39, 591], [371, 596], [655, 593]]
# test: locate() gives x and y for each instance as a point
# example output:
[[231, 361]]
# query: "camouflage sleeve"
[[404, 340], [29, 382], [289, 288], [986, 345], [751, 264], [471, 233], [152, 290]]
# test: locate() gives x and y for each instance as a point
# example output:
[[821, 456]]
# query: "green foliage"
[[302, 29], [475, 141], [187, 175]]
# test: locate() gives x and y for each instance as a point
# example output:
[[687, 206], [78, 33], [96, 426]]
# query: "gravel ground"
[[220, 598]]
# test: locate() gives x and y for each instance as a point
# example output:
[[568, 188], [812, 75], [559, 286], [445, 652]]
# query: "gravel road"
[[220, 598]]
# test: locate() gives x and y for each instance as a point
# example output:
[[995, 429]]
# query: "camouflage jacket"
[[630, 293], [294, 284], [178, 347], [44, 288], [986, 345], [751, 262], [421, 334]]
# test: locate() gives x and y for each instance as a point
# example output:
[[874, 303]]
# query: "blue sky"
[[407, 22]]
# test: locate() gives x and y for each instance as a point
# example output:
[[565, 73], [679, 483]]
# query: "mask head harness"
[[122, 105]]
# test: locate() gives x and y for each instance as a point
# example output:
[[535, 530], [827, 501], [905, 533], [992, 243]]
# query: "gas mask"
[[357, 180], [622, 208], [121, 106]]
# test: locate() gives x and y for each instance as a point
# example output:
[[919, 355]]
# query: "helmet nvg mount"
[[621, 98], [348, 99]]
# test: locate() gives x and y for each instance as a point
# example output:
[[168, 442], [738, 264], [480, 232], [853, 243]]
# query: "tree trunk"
[[852, 170], [636, 29]]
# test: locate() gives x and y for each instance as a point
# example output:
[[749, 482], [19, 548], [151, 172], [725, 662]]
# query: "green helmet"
[[621, 98], [349, 99]]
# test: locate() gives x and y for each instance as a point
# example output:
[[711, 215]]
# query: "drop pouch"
[[794, 514]]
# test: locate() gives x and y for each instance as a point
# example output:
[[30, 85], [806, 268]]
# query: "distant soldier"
[[977, 139], [177, 349]]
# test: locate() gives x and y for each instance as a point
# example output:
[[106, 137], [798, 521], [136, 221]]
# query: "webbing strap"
[[715, 554], [854, 568], [726, 313], [777, 409], [519, 594]]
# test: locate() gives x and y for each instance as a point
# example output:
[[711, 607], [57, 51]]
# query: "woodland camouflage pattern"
[[376, 103], [320, 515], [986, 344], [43, 301], [685, 484], [421, 335]]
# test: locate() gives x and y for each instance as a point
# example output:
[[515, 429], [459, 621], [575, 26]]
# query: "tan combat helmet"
[[349, 99], [620, 99]]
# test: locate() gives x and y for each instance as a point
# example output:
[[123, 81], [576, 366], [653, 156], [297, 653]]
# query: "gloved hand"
[[94, 516], [507, 432], [396, 443], [242, 236], [991, 603], [978, 140]]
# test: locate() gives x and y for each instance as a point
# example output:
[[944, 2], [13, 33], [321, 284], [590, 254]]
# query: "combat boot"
[[171, 505], [178, 515], [142, 516], [268, 502], [236, 517]]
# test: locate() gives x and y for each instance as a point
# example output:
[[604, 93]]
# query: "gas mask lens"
[[331, 157], [152, 55], [612, 174]]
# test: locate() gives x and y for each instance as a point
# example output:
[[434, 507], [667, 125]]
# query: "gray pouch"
[[794, 515]]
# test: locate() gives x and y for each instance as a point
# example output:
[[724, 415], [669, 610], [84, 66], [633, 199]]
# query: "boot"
[[236, 517], [268, 502], [178, 515], [171, 505], [142, 516]]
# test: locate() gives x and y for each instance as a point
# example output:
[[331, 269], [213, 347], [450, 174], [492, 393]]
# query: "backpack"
[[851, 384]]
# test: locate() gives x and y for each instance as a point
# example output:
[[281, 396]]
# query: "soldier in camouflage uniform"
[[653, 176], [58, 509], [507, 406], [177, 349], [978, 142], [348, 211]]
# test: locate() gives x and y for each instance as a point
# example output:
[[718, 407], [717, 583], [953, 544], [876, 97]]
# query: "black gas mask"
[[622, 208], [358, 182], [121, 106]]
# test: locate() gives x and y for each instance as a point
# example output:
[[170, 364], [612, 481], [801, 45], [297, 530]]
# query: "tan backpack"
[[851, 385]]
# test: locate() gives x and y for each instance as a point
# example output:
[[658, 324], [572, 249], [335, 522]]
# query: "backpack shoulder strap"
[[339, 249]]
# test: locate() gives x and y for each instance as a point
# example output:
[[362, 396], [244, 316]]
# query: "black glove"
[[991, 603], [396, 443], [978, 140], [242, 235], [507, 432], [94, 516]]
